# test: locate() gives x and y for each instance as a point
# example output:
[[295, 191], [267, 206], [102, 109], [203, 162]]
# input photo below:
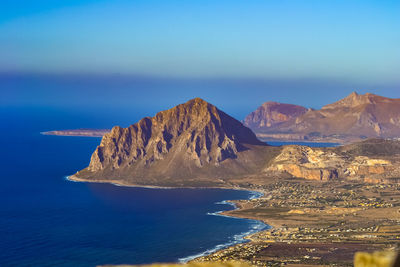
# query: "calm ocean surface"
[[310, 144], [46, 220]]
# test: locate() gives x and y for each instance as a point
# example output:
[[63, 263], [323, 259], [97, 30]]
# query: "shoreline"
[[101, 132], [239, 238], [315, 223], [78, 132], [73, 178]]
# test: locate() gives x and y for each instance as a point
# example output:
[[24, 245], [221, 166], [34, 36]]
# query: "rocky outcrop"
[[309, 163], [297, 170], [190, 139], [355, 117], [370, 160]]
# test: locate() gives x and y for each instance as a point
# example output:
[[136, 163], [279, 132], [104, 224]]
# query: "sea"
[[47, 220], [310, 144]]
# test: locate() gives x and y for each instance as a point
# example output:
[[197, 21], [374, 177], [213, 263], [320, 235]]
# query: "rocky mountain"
[[352, 118], [196, 144], [190, 143], [271, 114]]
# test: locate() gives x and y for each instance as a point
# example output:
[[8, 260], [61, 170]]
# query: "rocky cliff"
[[373, 160], [352, 118], [189, 141]]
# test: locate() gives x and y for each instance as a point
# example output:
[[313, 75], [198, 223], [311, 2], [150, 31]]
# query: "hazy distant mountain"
[[271, 114], [354, 117], [191, 140]]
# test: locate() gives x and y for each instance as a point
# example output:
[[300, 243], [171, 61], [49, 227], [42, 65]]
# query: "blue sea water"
[[46, 220], [310, 144]]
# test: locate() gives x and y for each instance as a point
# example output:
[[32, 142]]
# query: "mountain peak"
[[197, 100], [187, 137], [353, 100], [353, 94], [270, 103]]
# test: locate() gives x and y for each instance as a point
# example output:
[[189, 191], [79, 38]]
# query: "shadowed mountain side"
[[191, 144]]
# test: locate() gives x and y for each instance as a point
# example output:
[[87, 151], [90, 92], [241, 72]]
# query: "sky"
[[157, 53]]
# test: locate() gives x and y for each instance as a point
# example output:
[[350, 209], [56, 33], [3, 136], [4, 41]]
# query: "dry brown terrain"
[[317, 223]]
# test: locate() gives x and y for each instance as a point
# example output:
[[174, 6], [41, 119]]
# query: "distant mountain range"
[[195, 144], [353, 118]]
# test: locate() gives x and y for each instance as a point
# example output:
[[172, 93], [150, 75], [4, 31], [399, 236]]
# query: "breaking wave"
[[254, 226]]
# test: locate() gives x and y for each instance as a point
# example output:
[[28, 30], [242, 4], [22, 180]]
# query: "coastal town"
[[314, 223]]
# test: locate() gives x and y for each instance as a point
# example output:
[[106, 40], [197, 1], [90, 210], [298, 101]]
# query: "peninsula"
[[324, 203], [79, 132]]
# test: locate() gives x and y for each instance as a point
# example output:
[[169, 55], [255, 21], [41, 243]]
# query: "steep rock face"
[[176, 142], [354, 117], [318, 174], [309, 163], [272, 113], [371, 159]]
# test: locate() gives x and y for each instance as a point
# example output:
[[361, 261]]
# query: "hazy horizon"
[[336, 40], [139, 57], [148, 95]]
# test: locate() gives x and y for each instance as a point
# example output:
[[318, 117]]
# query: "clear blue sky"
[[309, 52], [258, 38]]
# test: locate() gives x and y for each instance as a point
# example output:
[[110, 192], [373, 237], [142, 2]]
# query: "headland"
[[324, 203]]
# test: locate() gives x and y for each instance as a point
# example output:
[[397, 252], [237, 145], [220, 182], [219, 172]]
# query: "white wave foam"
[[224, 202], [255, 226], [68, 179], [255, 194], [219, 213]]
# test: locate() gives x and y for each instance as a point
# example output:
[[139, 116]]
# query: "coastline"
[[78, 132], [309, 220], [255, 225], [74, 178], [102, 132]]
